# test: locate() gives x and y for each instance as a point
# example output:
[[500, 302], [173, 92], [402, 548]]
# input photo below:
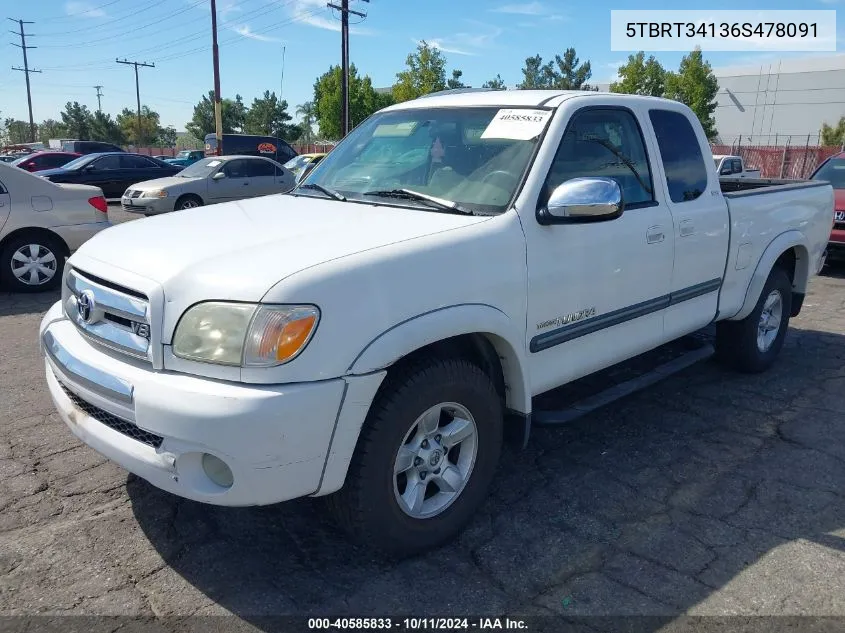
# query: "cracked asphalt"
[[711, 493]]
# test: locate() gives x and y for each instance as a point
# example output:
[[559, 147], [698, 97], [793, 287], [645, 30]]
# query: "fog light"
[[217, 470]]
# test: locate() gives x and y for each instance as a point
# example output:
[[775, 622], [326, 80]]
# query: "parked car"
[[89, 147], [39, 161], [41, 223], [370, 334], [209, 181], [833, 171], [250, 145], [113, 172], [734, 167], [303, 162], [186, 157]]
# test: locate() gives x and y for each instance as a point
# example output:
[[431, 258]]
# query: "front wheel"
[[425, 458], [188, 201], [752, 344]]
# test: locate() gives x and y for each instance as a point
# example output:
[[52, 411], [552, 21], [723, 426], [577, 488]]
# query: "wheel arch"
[[788, 251], [35, 230], [189, 194], [480, 332]]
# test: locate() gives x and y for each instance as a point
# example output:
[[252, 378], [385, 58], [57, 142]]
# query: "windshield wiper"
[[409, 194], [624, 160], [329, 192]]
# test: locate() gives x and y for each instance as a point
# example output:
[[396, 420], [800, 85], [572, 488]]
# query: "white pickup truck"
[[734, 167], [369, 335]]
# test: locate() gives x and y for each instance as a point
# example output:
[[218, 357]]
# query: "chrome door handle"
[[655, 235]]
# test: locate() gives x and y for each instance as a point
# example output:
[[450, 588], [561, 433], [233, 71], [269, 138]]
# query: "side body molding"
[[782, 243], [506, 336]]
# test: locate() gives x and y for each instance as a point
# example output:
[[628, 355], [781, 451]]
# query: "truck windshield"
[[833, 171], [475, 157]]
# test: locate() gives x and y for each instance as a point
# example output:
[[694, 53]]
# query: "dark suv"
[[250, 145]]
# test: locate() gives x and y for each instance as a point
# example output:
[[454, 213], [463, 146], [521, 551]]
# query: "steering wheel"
[[499, 173]]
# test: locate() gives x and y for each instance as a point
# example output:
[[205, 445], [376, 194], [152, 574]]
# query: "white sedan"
[[41, 224]]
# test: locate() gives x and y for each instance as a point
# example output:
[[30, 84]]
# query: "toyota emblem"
[[85, 305]]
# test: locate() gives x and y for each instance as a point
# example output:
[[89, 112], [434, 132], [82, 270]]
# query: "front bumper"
[[275, 439], [149, 206]]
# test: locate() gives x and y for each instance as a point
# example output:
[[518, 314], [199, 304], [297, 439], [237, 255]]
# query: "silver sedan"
[[209, 181]]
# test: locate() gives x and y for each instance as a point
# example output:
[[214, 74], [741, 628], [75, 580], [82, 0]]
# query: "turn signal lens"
[[278, 334]]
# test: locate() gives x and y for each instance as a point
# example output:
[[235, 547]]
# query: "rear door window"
[[680, 151], [133, 161], [260, 168]]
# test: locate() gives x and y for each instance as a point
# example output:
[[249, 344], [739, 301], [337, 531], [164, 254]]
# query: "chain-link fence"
[[786, 161]]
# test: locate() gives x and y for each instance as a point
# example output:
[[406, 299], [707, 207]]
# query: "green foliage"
[[425, 73], [149, 126], [50, 128], [641, 76], [455, 82], [16, 131], [77, 121], [495, 84], [233, 114], [833, 135], [308, 113], [363, 100], [269, 116], [106, 129], [563, 73], [167, 136], [696, 86]]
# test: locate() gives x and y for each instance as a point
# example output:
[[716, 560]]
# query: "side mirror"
[[218, 176], [726, 171], [583, 200], [89, 167]]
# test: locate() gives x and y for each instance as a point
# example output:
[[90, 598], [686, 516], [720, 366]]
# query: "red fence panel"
[[790, 162]]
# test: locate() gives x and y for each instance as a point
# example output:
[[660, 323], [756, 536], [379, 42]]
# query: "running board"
[[614, 393]]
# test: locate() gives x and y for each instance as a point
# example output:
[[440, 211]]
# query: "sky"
[[284, 45]]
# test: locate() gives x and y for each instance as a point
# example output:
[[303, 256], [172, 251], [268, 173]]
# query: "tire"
[[370, 505], [742, 344], [17, 256], [187, 201]]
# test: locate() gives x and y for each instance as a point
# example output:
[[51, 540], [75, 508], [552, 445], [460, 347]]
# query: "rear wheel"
[[32, 263], [752, 344], [188, 201], [425, 458]]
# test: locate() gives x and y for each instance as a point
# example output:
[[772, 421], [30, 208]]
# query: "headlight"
[[244, 334], [158, 193]]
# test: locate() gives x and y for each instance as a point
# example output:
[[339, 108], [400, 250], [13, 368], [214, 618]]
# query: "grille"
[[133, 206], [125, 427]]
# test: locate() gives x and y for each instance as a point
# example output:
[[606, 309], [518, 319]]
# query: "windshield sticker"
[[214, 163], [517, 124]]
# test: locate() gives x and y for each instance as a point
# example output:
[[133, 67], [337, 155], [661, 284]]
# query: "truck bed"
[[734, 187]]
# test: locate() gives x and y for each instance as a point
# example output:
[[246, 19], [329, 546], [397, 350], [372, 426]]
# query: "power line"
[[137, 92], [344, 57], [69, 16], [107, 22], [26, 71]]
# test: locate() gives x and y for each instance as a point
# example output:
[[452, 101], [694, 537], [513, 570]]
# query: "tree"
[[425, 73], [570, 73], [455, 82], [495, 84], [308, 113], [363, 100], [106, 129], [833, 135], [167, 136], [16, 131], [269, 116], [50, 128], [202, 123], [564, 73], [641, 76], [696, 86], [77, 121], [128, 122]]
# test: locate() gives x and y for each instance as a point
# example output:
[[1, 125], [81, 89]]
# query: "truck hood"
[[239, 250]]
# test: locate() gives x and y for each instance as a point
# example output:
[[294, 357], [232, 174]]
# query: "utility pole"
[[344, 64], [99, 96], [282, 82], [26, 71], [218, 106], [137, 92]]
